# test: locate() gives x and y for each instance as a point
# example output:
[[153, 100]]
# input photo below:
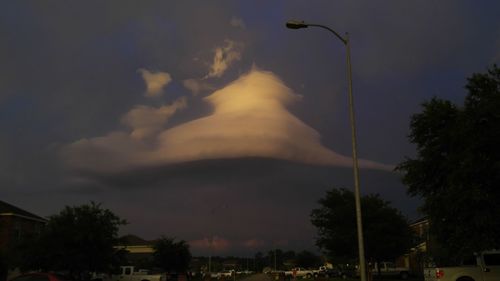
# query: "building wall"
[[14, 228], [421, 229], [5, 222], [418, 252]]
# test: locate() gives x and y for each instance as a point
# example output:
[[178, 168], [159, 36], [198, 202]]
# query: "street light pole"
[[357, 195]]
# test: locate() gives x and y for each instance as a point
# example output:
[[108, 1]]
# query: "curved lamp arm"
[[293, 24]]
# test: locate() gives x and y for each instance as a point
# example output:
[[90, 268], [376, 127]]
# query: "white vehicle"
[[389, 269], [322, 270], [480, 267], [213, 275], [244, 272], [225, 274], [299, 272], [129, 273]]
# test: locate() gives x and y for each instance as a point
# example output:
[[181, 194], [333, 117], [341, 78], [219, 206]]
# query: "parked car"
[[40, 276], [299, 272], [130, 273], [346, 271], [225, 274], [324, 271], [213, 275]]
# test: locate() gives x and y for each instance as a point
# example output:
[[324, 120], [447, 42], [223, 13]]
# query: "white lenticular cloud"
[[196, 86], [155, 82], [116, 151], [147, 121], [250, 119], [224, 57]]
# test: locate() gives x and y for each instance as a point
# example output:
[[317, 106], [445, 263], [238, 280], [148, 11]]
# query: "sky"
[[210, 121]]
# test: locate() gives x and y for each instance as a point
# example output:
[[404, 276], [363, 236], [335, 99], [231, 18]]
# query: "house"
[[415, 258], [139, 251], [417, 255], [15, 223], [421, 228]]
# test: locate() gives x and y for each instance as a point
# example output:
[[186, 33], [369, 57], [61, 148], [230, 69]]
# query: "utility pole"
[[275, 269]]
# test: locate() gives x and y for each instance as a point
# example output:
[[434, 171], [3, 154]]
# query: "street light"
[[301, 24]]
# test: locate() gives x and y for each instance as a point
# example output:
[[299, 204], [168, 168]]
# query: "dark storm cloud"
[[285, 192], [75, 58]]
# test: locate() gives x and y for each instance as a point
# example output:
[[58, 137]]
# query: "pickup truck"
[[325, 271], [484, 266], [129, 273], [225, 274], [299, 272]]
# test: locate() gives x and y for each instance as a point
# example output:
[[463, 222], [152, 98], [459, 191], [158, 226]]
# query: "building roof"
[[420, 220], [7, 209], [135, 244], [133, 240]]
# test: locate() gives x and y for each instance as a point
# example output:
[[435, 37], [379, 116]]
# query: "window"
[[469, 261], [17, 231], [491, 259]]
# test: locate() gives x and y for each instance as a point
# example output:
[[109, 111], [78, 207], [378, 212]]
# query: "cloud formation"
[[155, 82], [146, 121], [250, 119], [196, 86], [221, 244], [237, 22], [224, 57], [253, 243], [217, 244]]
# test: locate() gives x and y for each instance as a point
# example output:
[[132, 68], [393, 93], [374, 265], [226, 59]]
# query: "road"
[[258, 277]]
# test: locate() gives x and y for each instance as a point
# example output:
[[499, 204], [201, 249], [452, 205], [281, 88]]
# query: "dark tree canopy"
[[260, 261], [172, 256], [386, 232], [308, 260], [457, 166], [78, 239]]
